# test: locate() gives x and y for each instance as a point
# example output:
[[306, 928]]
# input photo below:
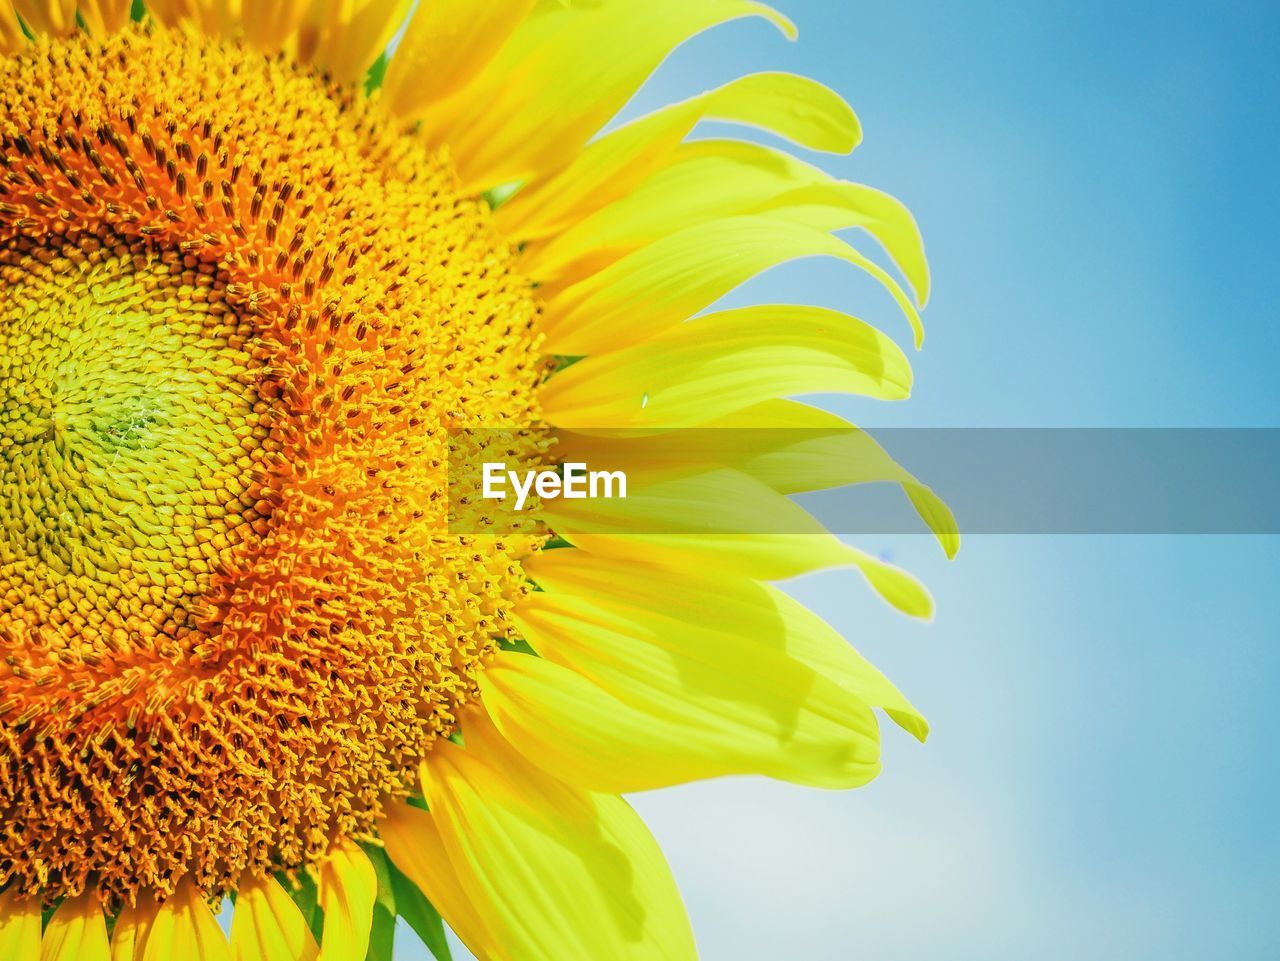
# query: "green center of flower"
[[128, 426]]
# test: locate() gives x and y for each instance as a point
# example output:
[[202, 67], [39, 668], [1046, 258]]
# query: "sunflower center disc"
[[129, 423], [237, 318]]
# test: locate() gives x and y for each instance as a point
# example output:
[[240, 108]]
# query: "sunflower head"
[[248, 312]]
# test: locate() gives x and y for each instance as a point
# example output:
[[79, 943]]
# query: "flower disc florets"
[[238, 314]]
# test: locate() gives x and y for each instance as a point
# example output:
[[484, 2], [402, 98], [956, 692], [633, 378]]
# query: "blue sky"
[[1096, 186]]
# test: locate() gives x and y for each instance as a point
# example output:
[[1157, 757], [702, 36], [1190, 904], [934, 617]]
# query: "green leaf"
[[497, 196], [421, 915], [377, 73], [382, 939], [516, 645]]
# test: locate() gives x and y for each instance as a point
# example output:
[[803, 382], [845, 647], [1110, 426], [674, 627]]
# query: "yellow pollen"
[[239, 313]]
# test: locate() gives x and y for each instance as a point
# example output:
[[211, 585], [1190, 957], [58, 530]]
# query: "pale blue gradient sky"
[[1096, 186]]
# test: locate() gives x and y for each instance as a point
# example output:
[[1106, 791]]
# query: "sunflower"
[[256, 273]]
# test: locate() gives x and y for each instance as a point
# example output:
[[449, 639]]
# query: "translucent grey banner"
[[780, 480]]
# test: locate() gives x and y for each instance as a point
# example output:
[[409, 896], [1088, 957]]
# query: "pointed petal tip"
[[784, 23]]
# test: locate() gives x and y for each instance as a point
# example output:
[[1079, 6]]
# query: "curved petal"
[[727, 520], [216, 18], [76, 932], [672, 604], [797, 108], [558, 874], [347, 36], [839, 205], [344, 37], [19, 927], [677, 717], [12, 39], [106, 16], [561, 75], [184, 927], [711, 179], [348, 890], [446, 44], [642, 684], [786, 445], [714, 365], [54, 17], [273, 26], [414, 845], [825, 451], [129, 936], [658, 286], [268, 926]]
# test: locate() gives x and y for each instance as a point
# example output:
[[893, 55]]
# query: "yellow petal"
[[561, 75], [822, 451], [669, 603], [129, 936], [106, 16], [707, 180], [273, 26], [413, 843], [344, 37], [12, 39], [216, 18], [347, 36], [658, 286], [348, 890], [838, 205], [19, 927], [56, 17], [714, 365], [184, 927], [797, 108], [268, 926], [446, 44], [727, 520], [76, 932], [559, 874], [672, 714], [788, 446]]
